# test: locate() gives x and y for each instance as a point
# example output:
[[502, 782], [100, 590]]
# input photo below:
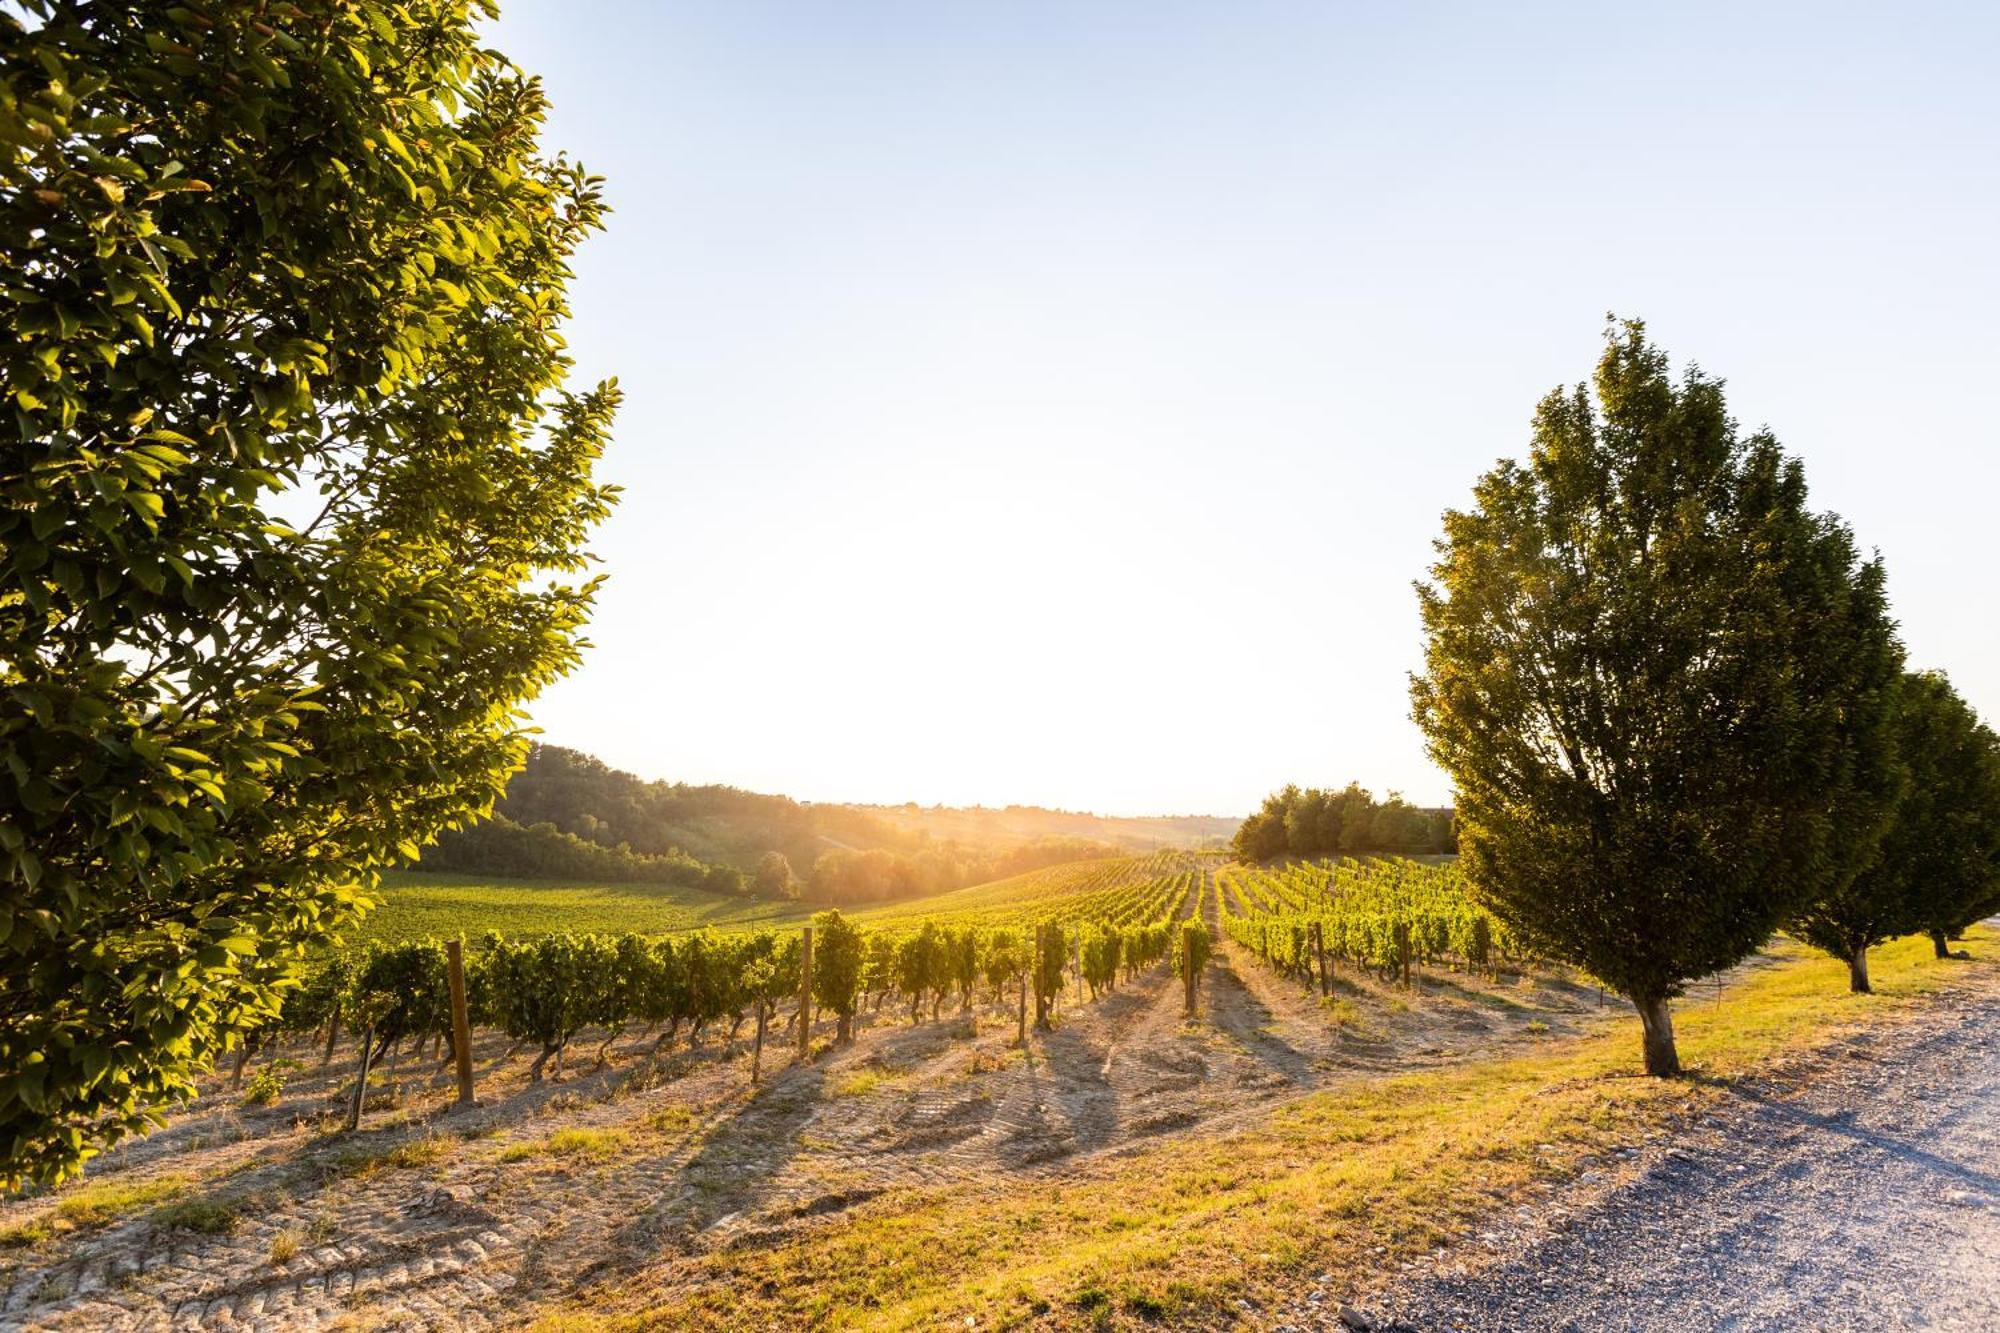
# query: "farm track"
[[1855, 1191], [708, 1162]]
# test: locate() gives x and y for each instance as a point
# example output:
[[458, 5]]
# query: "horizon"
[[1055, 407]]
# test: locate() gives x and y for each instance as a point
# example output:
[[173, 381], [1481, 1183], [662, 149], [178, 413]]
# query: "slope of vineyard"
[[1387, 914], [420, 903], [417, 904], [887, 1177]]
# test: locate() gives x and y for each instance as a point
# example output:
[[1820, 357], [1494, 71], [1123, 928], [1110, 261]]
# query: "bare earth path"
[[1861, 1193]]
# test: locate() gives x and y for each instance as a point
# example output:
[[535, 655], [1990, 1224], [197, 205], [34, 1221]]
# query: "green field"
[[416, 904]]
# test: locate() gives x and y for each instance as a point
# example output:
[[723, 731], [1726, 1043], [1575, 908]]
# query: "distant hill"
[[981, 826], [568, 814]]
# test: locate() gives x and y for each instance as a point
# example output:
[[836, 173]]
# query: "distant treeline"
[[1315, 822], [499, 846], [569, 815]]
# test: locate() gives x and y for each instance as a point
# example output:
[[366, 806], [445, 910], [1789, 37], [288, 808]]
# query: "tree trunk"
[[1857, 971], [242, 1058], [1662, 1059], [332, 1032], [535, 1069], [1938, 943], [844, 1033]]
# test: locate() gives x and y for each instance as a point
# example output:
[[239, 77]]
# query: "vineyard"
[[1067, 929], [1387, 915], [416, 904]]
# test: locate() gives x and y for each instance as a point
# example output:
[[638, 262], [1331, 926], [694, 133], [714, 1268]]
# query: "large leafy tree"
[[1660, 683], [1942, 855], [1940, 858], [292, 499]]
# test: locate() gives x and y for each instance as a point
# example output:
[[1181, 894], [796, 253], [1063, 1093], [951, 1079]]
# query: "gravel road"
[[1862, 1192]]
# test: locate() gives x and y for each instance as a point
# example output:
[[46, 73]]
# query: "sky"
[[1054, 403]]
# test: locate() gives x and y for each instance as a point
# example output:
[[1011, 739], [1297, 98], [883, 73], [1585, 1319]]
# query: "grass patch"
[[95, 1203], [284, 1247], [672, 1119], [597, 1145], [861, 1082], [591, 1145], [1346, 1180], [23, 1234], [209, 1217], [1341, 1011], [427, 1151]]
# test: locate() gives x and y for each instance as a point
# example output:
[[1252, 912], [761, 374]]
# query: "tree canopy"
[[1660, 683], [292, 505], [1938, 866], [1312, 822]]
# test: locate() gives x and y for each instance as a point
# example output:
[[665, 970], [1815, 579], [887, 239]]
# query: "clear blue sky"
[[1054, 402]]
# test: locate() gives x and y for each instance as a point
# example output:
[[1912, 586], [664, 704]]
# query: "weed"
[[418, 1152], [860, 1083], [208, 1217], [597, 1145], [284, 1247], [268, 1083], [24, 1234]]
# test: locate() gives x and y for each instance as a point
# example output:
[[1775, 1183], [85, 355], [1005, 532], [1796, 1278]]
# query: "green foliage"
[[1659, 683], [416, 903], [291, 507], [268, 1083], [1331, 823], [773, 877], [1379, 914], [1051, 957], [1938, 867], [836, 974], [1193, 946], [541, 990], [499, 846], [1101, 951]]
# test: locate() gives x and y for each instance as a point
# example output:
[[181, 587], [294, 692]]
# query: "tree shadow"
[[1843, 1124]]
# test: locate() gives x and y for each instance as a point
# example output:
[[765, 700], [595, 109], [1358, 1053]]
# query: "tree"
[[1660, 684], [836, 975], [773, 877], [1939, 864], [291, 507]]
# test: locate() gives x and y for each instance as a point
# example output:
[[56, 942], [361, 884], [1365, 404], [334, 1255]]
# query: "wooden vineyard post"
[[360, 1080], [332, 1034], [1076, 963], [1403, 950], [461, 1025], [1187, 979], [1319, 954], [805, 990], [1021, 1036], [757, 1050]]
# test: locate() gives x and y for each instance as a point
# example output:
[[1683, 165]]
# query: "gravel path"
[[1862, 1193]]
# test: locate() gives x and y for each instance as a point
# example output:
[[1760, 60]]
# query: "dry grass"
[[284, 1247], [1341, 1181]]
